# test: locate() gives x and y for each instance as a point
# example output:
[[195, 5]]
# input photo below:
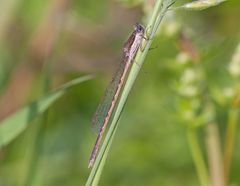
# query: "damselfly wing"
[[106, 107]]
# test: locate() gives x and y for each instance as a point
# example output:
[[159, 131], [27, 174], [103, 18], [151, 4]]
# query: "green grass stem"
[[198, 157], [159, 11]]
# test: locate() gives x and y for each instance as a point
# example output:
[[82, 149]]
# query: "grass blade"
[[200, 4], [13, 125]]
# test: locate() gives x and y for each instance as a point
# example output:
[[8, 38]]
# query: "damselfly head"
[[138, 28]]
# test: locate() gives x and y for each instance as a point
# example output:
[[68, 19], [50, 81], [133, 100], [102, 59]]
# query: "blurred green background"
[[186, 79]]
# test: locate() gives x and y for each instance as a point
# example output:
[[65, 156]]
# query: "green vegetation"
[[179, 125]]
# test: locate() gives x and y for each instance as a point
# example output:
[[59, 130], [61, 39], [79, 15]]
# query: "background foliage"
[[189, 80]]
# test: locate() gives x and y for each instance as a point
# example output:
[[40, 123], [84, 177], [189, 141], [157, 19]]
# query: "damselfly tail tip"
[[90, 163]]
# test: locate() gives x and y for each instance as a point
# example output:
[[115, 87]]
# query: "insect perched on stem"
[[106, 107]]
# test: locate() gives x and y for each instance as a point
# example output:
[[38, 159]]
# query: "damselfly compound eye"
[[139, 28]]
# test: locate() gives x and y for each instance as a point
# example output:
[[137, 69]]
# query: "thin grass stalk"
[[198, 157], [7, 11], [229, 141], [214, 155], [159, 11], [41, 130]]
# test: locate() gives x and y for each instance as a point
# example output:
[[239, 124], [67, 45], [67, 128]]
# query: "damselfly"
[[106, 107]]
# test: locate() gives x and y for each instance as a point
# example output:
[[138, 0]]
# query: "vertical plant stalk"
[[232, 114], [40, 131], [159, 11], [214, 155], [229, 140], [198, 157], [7, 9], [58, 8]]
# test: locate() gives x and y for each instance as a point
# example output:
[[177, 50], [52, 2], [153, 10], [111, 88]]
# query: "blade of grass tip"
[[199, 5], [13, 125], [159, 11]]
